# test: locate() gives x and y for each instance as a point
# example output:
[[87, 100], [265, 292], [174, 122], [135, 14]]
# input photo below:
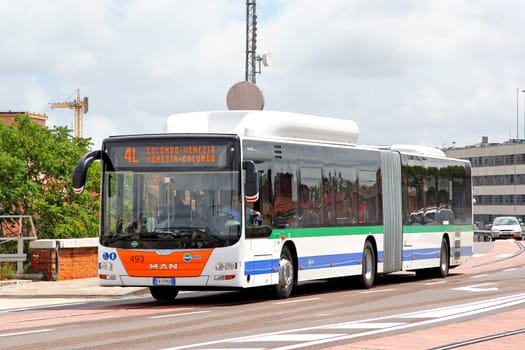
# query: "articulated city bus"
[[242, 199]]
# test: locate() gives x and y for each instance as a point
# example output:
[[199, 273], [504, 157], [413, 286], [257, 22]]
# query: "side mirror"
[[80, 172], [251, 187]]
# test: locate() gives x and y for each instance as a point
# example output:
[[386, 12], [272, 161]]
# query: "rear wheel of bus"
[[444, 263], [444, 259], [369, 267], [164, 293]]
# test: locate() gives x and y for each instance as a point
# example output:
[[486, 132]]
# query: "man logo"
[[163, 266]]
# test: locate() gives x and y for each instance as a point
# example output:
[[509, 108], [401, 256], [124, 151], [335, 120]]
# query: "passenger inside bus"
[[253, 217], [233, 209]]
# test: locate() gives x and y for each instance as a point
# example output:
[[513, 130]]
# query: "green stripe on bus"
[[360, 230], [437, 228], [326, 231]]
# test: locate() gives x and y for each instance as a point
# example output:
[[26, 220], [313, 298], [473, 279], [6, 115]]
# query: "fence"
[[18, 228]]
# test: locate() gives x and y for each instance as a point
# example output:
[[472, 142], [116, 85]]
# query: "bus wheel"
[[286, 275], [164, 293], [444, 259], [368, 272]]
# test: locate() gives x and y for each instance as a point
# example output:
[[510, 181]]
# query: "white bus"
[[242, 199]]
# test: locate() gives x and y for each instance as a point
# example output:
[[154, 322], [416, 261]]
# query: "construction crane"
[[80, 106]]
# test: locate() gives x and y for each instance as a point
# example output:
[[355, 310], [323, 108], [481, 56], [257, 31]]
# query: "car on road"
[[506, 227]]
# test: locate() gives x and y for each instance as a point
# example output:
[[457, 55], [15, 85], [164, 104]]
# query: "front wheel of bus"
[[368, 272], [164, 293], [286, 275]]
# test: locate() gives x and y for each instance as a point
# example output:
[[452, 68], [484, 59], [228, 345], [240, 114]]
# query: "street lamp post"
[[523, 116]]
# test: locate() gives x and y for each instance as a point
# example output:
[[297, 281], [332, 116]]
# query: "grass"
[[6, 270]]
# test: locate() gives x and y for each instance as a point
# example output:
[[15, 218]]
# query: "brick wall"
[[77, 258]]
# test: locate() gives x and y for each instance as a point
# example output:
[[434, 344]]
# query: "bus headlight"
[[226, 266], [106, 265]]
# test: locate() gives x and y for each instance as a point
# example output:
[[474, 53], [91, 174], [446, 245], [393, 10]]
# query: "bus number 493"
[[137, 258]]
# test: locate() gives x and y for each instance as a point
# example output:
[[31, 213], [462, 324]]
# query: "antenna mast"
[[251, 41]]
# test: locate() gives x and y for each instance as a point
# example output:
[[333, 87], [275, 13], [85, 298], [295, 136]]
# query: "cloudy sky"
[[407, 71]]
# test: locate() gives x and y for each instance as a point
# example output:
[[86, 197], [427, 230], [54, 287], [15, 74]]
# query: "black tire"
[[165, 294], [369, 266], [444, 264], [287, 280], [444, 260]]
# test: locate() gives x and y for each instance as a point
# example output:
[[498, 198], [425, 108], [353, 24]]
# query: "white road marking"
[[378, 291], [432, 283], [447, 313], [479, 276], [477, 288], [23, 304], [465, 308], [519, 299], [180, 314], [367, 325], [27, 332], [288, 337], [296, 301]]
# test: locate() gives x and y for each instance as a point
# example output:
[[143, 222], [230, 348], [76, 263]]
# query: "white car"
[[506, 227]]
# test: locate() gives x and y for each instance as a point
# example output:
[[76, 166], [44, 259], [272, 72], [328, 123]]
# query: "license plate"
[[163, 281]]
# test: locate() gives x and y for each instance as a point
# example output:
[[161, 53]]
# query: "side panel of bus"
[[437, 207], [324, 201]]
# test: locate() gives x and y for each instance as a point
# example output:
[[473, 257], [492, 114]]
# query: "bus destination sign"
[[167, 155]]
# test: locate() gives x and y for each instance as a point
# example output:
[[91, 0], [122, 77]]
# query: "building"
[[9, 117], [498, 178]]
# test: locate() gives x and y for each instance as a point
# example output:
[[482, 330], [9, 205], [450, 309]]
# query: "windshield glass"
[[505, 221], [171, 210]]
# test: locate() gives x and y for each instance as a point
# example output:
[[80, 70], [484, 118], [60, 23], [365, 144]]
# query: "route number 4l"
[[131, 155]]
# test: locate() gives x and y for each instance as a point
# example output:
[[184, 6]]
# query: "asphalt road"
[[329, 314]]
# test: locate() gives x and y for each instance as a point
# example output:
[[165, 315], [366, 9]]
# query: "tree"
[[36, 164]]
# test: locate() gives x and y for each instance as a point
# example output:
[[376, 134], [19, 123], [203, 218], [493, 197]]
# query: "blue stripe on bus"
[[421, 254], [433, 253], [259, 267], [325, 261]]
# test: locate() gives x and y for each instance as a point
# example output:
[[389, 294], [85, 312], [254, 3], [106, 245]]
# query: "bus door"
[[392, 211], [260, 254]]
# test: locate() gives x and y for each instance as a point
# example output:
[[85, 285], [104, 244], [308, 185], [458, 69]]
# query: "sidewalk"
[[78, 288]]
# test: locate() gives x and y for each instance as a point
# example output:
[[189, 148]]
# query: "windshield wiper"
[[183, 231], [180, 229], [119, 237]]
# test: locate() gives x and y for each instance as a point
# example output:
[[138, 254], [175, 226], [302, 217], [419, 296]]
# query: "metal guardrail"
[[18, 228]]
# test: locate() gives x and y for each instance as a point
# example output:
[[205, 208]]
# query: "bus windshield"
[[182, 210], [175, 194]]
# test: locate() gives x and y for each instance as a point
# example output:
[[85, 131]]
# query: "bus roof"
[[416, 150], [267, 124]]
